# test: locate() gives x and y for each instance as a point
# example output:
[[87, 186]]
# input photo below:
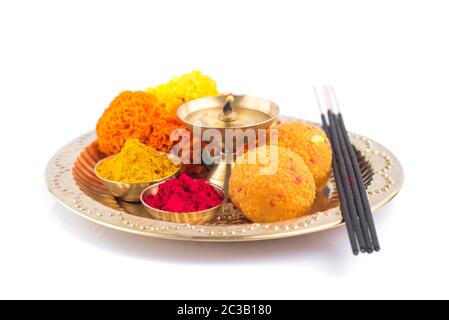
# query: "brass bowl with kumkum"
[[126, 178], [186, 214]]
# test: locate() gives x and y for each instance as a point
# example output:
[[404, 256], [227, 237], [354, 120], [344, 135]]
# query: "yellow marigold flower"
[[190, 86]]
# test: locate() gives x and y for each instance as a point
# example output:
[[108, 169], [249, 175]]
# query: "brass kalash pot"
[[230, 115]]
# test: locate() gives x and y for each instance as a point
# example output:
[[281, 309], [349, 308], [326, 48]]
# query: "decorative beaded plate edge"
[[386, 182]]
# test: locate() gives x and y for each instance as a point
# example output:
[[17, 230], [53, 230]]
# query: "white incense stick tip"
[[334, 96], [328, 98], [318, 101]]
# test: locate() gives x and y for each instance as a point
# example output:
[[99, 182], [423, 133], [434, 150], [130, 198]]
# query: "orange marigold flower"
[[135, 115]]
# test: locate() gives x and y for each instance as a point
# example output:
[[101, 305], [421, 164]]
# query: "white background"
[[62, 62]]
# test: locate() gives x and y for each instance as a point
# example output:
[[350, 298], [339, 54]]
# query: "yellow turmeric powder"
[[137, 162]]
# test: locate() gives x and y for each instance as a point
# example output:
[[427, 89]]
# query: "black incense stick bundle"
[[351, 189], [343, 200], [359, 185]]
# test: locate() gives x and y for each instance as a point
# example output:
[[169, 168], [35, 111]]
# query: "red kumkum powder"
[[184, 194]]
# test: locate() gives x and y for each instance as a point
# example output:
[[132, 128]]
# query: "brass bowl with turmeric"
[[135, 168]]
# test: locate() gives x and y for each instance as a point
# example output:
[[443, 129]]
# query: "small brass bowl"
[[130, 191], [195, 217]]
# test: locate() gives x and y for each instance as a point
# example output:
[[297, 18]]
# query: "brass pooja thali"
[[182, 161], [71, 179]]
